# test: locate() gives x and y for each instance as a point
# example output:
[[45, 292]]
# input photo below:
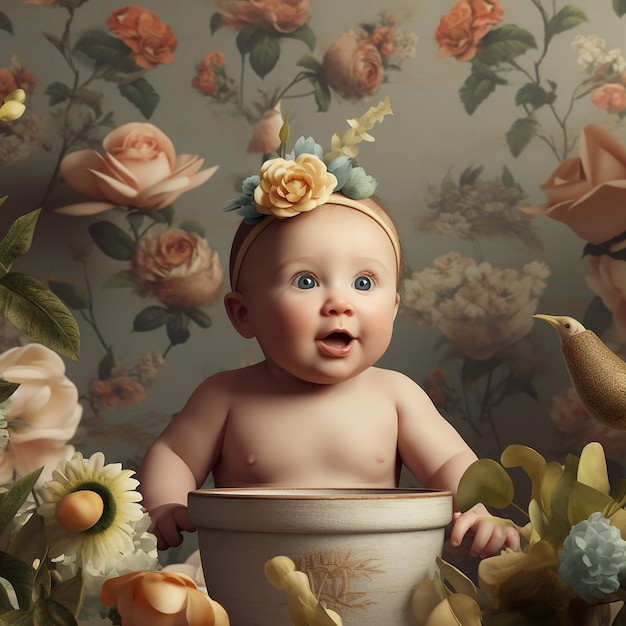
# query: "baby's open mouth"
[[337, 339]]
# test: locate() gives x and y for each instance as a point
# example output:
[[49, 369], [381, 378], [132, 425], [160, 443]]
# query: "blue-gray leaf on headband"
[[359, 184], [250, 184], [307, 146], [340, 167]]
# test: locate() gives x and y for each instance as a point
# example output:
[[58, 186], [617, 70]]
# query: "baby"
[[319, 291]]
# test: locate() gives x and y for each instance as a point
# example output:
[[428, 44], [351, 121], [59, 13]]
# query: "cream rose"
[[283, 16], [589, 193], [353, 67], [140, 169], [161, 599], [178, 268], [291, 187], [44, 412]]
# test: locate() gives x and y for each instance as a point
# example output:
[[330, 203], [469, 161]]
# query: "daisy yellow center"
[[80, 510]]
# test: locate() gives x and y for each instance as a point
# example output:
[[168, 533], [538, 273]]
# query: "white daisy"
[[88, 508]]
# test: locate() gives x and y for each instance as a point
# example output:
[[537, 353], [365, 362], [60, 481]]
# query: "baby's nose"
[[337, 303]]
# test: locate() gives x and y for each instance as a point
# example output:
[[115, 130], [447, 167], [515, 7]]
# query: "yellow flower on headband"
[[287, 188]]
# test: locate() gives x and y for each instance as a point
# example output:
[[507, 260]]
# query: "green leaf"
[[106, 365], [321, 92], [619, 6], [151, 318], [246, 40], [142, 94], [112, 240], [3, 199], [74, 298], [485, 481], [477, 87], [199, 317], [504, 44], [16, 496], [521, 133], [5, 23], [7, 389], [470, 175], [162, 216], [70, 593], [471, 371], [56, 42], [178, 328], [20, 575], [48, 611], [534, 95], [36, 311], [103, 48], [310, 63], [5, 601], [58, 92], [264, 55], [304, 33], [567, 18], [530, 461], [18, 239], [29, 543], [507, 177], [592, 470], [216, 22]]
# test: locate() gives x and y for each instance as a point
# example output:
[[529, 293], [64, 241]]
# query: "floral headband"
[[307, 178]]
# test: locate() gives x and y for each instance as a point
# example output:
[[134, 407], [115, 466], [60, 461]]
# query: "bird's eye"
[[363, 283], [568, 325], [304, 281]]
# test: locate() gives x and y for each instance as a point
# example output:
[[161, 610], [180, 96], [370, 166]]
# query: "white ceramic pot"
[[364, 550]]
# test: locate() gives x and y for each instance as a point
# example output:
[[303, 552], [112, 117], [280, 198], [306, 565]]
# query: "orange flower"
[[178, 268], [150, 40], [460, 32], [611, 96], [118, 391], [588, 193], [353, 67], [283, 16], [160, 599], [205, 80], [15, 77], [383, 38]]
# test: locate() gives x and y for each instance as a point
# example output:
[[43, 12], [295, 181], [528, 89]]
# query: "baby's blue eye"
[[305, 281], [363, 283]]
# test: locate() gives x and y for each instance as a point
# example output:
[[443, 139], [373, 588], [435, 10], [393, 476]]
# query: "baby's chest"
[[277, 446]]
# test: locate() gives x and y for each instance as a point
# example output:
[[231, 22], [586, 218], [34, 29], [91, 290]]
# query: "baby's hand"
[[167, 522], [489, 536]]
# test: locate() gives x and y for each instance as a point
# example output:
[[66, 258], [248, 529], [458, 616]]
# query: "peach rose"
[[205, 80], [283, 16], [44, 412], [118, 391], [589, 193], [460, 32], [383, 38], [265, 139], [611, 96], [178, 268], [353, 67], [291, 187], [140, 169], [150, 40], [161, 599]]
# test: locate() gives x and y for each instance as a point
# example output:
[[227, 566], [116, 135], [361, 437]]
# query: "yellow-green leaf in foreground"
[[485, 481], [36, 311]]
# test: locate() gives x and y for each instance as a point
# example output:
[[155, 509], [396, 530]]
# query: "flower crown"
[[294, 183]]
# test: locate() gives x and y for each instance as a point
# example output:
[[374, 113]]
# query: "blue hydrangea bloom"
[[593, 558], [359, 184], [306, 145]]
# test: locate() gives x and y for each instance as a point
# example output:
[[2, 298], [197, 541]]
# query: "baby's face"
[[321, 295]]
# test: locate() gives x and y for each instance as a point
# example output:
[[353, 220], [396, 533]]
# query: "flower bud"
[[11, 110], [18, 95]]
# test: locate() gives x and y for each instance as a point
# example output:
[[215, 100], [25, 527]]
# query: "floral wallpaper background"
[[142, 120]]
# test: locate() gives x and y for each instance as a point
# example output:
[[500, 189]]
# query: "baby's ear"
[[237, 312]]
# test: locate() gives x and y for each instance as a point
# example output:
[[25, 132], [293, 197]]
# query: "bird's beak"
[[548, 318]]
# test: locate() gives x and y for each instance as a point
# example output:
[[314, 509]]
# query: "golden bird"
[[597, 374]]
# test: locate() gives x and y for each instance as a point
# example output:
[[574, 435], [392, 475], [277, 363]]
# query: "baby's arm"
[[180, 460], [438, 456]]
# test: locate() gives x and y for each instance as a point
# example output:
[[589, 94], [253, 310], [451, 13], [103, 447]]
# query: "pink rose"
[[589, 193], [283, 16], [353, 67], [611, 97], [140, 169], [265, 139], [44, 412], [178, 268]]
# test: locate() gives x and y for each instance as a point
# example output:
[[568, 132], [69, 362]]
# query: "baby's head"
[[248, 233]]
